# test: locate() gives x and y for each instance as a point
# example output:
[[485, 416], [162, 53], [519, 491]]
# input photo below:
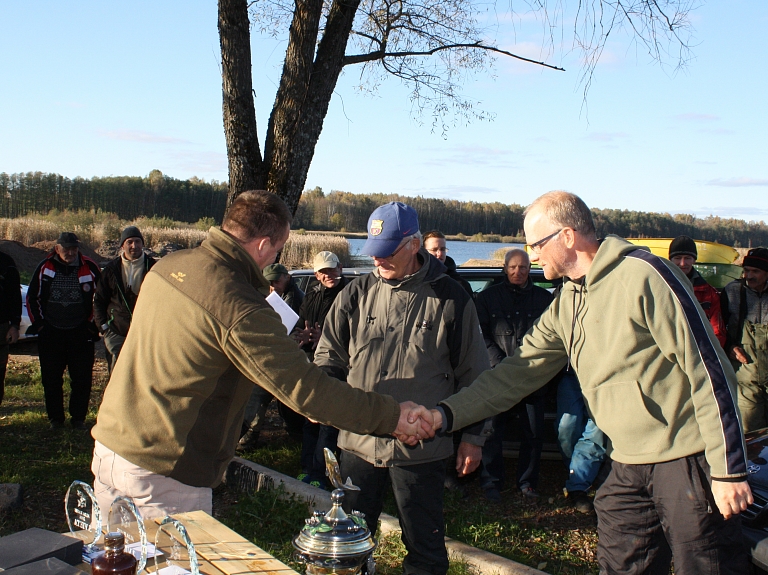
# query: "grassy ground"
[[549, 536]]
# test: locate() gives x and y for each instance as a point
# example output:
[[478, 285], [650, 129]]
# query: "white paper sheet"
[[288, 316], [173, 570]]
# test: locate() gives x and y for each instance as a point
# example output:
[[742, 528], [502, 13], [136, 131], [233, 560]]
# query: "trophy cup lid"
[[335, 536]]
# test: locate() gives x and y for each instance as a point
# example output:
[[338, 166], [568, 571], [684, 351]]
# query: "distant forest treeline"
[[127, 196], [190, 200], [347, 211]]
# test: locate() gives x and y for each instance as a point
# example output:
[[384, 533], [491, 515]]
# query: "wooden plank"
[[229, 552]]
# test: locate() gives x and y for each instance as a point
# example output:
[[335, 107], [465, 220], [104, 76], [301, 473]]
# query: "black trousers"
[[528, 416], [649, 514], [61, 349], [418, 491]]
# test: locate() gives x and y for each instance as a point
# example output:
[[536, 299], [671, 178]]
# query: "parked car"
[[478, 278], [25, 323], [755, 518]]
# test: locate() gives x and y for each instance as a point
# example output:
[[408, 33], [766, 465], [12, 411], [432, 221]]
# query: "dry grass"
[[300, 249], [98, 228]]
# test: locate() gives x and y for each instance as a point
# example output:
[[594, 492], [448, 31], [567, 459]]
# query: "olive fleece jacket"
[[653, 376], [202, 334]]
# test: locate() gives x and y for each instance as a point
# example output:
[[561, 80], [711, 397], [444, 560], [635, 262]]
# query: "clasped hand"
[[416, 423]]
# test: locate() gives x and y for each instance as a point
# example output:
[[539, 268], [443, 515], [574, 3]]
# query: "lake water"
[[459, 251]]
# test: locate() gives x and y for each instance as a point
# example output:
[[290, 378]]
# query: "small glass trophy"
[[125, 518], [83, 514], [173, 542]]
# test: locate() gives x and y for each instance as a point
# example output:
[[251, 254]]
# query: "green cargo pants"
[[753, 377]]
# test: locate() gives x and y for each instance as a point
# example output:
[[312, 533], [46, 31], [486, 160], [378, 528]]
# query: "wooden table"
[[220, 550]]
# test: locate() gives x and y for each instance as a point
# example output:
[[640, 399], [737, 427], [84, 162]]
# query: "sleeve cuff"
[[447, 418], [732, 479]]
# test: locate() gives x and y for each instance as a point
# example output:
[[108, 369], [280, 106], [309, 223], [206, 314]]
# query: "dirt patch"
[[26, 258]]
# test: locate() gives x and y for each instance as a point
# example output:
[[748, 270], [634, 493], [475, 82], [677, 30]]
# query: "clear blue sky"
[[123, 87]]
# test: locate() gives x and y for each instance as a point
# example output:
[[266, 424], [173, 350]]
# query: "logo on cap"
[[377, 227]]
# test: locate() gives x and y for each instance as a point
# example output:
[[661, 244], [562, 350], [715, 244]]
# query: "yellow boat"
[[714, 262], [709, 252]]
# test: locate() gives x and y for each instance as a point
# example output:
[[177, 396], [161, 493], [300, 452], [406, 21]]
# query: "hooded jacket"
[[202, 335], [416, 339], [653, 377]]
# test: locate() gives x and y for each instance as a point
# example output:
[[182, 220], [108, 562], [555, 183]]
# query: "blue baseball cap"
[[387, 227]]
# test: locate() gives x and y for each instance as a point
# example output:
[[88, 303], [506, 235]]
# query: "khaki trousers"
[[154, 495]]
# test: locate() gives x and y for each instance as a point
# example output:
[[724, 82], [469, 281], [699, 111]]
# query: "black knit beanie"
[[683, 246], [757, 258], [130, 232]]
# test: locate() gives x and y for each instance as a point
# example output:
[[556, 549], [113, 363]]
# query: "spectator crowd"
[[656, 374]]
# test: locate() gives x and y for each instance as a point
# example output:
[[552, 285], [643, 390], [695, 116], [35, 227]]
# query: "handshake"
[[417, 423]]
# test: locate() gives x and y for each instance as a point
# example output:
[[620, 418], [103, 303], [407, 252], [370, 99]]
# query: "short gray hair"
[[516, 252], [566, 210]]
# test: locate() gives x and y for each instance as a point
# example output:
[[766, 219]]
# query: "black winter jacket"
[[315, 306], [112, 304], [10, 292], [450, 265], [506, 312]]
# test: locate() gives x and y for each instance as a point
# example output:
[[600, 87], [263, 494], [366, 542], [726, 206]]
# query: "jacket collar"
[[526, 287], [226, 247], [430, 270]]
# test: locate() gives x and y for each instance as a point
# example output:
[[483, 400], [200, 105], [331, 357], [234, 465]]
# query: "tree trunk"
[[294, 135], [246, 167]]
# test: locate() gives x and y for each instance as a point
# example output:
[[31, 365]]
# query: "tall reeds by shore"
[[300, 249], [95, 229]]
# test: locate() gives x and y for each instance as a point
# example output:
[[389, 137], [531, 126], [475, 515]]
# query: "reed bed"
[[97, 229], [300, 249], [28, 231]]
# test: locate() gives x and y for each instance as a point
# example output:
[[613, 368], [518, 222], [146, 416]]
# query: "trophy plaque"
[[83, 514], [173, 543], [125, 518]]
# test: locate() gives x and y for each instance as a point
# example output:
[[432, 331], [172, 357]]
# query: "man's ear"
[[569, 237]]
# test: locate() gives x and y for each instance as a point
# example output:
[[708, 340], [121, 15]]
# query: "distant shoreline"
[[488, 238]]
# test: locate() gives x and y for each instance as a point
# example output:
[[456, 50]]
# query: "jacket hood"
[[431, 269], [226, 247], [609, 255]]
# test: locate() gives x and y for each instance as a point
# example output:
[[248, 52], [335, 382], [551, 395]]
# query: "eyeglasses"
[[535, 247], [438, 250], [397, 251]]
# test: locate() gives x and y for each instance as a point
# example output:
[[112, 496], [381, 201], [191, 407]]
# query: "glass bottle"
[[114, 561]]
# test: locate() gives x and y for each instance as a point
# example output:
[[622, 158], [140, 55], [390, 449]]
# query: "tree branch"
[[380, 55]]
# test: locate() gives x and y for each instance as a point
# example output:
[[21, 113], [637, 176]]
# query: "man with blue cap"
[[410, 331]]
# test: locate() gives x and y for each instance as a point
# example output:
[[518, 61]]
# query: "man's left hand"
[[468, 458], [731, 498], [13, 334]]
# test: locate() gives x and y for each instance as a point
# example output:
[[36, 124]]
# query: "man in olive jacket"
[[408, 330], [202, 335], [654, 379]]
